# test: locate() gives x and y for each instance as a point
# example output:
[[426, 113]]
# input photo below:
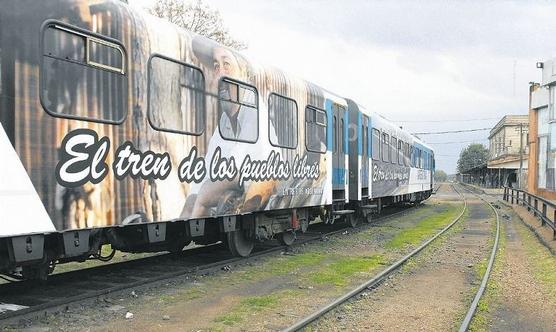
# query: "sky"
[[426, 65]]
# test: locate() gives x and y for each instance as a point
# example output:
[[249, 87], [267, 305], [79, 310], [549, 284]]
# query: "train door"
[[365, 157], [338, 152]]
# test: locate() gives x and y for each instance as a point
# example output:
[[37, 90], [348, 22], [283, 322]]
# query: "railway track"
[[28, 300], [377, 279], [473, 308]]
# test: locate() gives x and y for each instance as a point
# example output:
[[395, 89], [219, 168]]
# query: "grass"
[[287, 264], [341, 269], [251, 305], [424, 229], [541, 260]]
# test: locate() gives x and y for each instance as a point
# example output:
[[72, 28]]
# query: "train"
[[120, 128]]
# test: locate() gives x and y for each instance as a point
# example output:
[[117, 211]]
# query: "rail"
[[538, 205]]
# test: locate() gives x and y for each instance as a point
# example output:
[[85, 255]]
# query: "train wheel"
[[240, 243], [351, 220], [287, 238]]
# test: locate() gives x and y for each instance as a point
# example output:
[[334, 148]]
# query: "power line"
[[473, 141], [453, 120], [451, 132]]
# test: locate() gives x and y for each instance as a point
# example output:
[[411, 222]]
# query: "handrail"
[[531, 201]]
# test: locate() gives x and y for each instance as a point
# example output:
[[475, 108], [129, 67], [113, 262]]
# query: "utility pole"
[[520, 154]]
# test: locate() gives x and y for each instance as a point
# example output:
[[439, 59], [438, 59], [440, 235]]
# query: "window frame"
[[407, 155], [341, 139], [239, 84], [393, 149], [296, 122], [385, 140], [316, 109], [378, 155], [86, 34], [149, 81], [400, 152]]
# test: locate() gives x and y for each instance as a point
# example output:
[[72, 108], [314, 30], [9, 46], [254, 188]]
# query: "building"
[[508, 152], [542, 137]]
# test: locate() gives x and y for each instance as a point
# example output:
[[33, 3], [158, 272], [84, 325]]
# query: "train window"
[[83, 75], [341, 138], [104, 55], [375, 144], [407, 155], [235, 97], [400, 152], [363, 141], [394, 150], [412, 153], [335, 140], [385, 147], [315, 129], [282, 117], [176, 96]]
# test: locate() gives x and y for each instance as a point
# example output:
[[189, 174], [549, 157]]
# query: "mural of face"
[[226, 65]]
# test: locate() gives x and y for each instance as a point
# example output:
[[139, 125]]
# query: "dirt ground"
[[522, 292], [432, 293], [269, 294]]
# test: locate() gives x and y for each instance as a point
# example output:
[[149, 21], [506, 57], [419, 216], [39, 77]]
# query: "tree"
[[440, 176], [197, 17], [472, 156]]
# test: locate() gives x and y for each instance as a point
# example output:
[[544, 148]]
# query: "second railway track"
[[377, 279]]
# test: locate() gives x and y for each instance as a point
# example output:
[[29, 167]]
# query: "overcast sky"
[[433, 61]]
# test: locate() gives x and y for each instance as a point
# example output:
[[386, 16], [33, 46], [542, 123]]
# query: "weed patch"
[[341, 269], [424, 229]]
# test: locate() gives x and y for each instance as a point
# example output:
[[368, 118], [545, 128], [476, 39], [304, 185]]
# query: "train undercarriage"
[[35, 256]]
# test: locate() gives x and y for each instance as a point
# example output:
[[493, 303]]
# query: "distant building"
[[508, 152], [542, 137]]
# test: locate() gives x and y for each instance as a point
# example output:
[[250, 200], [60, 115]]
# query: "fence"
[[539, 206]]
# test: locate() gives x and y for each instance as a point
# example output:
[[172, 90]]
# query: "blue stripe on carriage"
[[328, 108], [338, 176]]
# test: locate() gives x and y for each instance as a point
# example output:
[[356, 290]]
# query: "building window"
[[239, 111], [375, 144], [282, 116], [83, 75], [542, 162], [551, 99], [176, 96], [315, 129]]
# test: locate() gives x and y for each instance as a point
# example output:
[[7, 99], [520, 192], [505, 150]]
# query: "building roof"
[[509, 120]]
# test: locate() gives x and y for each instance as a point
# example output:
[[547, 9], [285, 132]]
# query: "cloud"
[[408, 60]]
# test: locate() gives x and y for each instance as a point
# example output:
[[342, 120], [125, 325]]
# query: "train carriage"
[[119, 128]]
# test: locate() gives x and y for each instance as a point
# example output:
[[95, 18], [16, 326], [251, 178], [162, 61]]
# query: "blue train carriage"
[[120, 128], [388, 165]]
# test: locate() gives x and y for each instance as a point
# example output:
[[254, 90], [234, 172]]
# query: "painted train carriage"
[[119, 128]]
